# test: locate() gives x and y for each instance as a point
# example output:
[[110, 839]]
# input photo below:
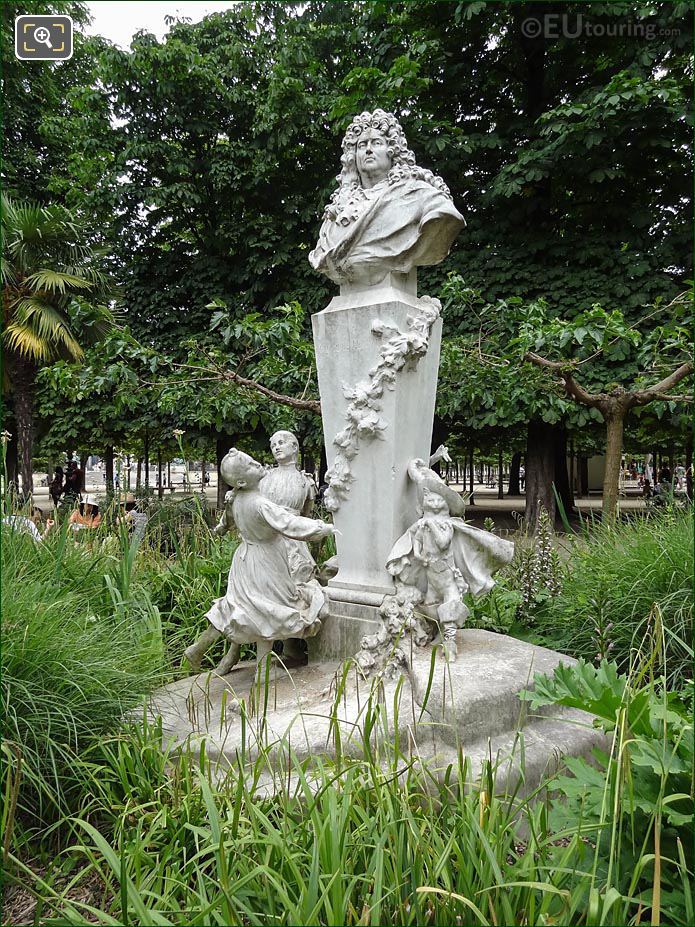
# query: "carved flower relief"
[[344, 439], [362, 413]]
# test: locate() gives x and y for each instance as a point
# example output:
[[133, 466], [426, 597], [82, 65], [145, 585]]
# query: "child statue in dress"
[[265, 599]]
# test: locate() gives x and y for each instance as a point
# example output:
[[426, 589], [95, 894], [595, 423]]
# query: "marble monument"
[[377, 354]]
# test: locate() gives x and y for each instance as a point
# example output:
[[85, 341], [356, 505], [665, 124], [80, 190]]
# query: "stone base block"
[[447, 711], [342, 631]]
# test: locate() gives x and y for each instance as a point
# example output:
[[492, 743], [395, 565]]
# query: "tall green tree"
[[208, 156], [36, 96], [52, 289]]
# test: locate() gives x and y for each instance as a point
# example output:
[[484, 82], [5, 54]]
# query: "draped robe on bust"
[[398, 226]]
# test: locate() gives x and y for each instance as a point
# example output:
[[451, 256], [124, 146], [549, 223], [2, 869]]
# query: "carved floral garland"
[[402, 349]]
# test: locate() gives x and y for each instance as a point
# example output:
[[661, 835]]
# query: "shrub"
[[623, 581]]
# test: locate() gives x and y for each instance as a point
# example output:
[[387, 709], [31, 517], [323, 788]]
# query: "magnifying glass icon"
[[42, 35]]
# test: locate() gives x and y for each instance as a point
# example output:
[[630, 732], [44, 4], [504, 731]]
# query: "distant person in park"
[[522, 478], [680, 477], [73, 481], [30, 525], [264, 602], [56, 487], [86, 515], [387, 215], [665, 474], [647, 489], [135, 519], [663, 491]]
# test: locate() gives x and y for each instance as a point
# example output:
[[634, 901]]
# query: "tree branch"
[[305, 405], [573, 389], [658, 391]]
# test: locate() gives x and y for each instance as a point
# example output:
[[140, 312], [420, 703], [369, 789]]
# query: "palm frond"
[[53, 288], [21, 338], [41, 314], [57, 281]]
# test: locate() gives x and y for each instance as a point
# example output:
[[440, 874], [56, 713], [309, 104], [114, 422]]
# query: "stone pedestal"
[[377, 382], [467, 706]]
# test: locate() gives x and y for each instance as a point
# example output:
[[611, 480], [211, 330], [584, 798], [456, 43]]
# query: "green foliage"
[[538, 569], [623, 582], [34, 155], [82, 644], [368, 838], [273, 351], [499, 609], [637, 801], [108, 399], [346, 843], [52, 283]]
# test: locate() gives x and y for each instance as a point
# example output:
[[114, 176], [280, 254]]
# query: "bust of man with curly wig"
[[387, 215]]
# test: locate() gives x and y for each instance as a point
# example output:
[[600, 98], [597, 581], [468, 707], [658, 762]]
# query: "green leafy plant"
[[82, 644], [636, 801]]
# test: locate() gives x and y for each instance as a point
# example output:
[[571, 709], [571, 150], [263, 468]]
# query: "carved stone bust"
[[387, 215]]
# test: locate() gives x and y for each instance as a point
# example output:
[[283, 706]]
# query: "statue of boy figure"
[[287, 485], [265, 601], [443, 557]]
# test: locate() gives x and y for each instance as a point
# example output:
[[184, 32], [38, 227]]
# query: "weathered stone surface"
[[372, 427], [342, 630], [387, 216], [472, 706], [476, 695]]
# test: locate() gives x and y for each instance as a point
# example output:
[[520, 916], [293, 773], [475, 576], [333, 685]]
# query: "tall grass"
[[367, 841], [152, 837], [81, 645], [617, 578], [374, 839]]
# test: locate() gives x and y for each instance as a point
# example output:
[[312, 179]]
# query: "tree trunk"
[[83, 469], [562, 481], [127, 472], [108, 470], [500, 474], [584, 476], [160, 486], [24, 382], [138, 475], [202, 475], [540, 472], [615, 422], [146, 456], [310, 464], [514, 488], [11, 460], [471, 475]]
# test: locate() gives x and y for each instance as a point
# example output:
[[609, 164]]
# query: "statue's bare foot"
[[229, 660], [195, 653], [194, 658]]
